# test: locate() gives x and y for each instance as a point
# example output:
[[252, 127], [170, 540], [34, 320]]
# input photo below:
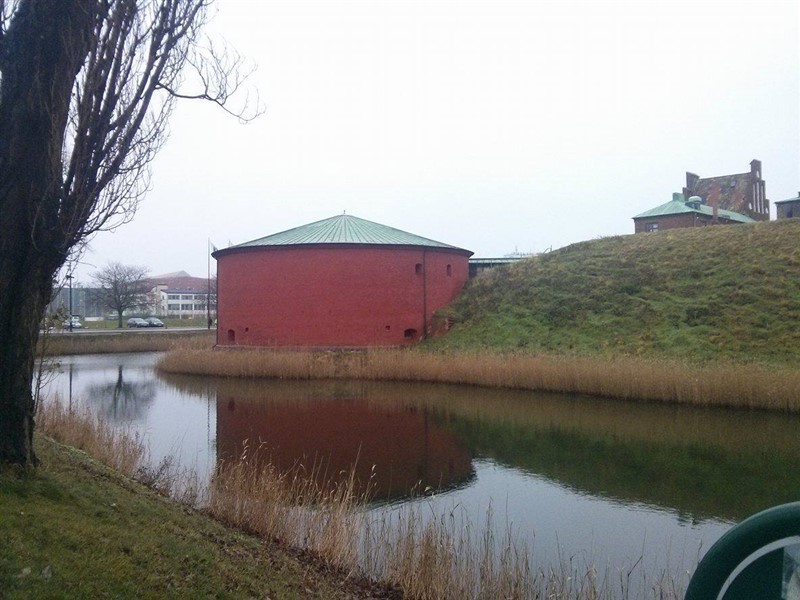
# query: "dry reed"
[[434, 557], [123, 451], [57, 344], [743, 386]]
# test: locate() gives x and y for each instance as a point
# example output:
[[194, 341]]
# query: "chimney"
[[691, 183], [755, 168], [713, 200]]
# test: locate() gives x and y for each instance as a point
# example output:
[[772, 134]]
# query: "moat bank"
[[732, 385]]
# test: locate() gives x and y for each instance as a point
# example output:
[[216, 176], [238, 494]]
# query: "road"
[[133, 331]]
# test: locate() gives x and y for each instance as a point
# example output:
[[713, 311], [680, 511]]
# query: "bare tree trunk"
[[42, 53], [23, 303], [86, 89]]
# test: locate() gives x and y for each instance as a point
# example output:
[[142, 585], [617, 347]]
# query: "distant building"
[[85, 302], [179, 295], [742, 193], [339, 282], [479, 265], [788, 209], [679, 213]]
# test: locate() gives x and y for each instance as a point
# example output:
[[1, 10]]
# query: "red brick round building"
[[340, 282]]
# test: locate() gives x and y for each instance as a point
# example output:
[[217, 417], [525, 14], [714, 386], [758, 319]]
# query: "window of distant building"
[[418, 268], [449, 270], [173, 297], [651, 226]]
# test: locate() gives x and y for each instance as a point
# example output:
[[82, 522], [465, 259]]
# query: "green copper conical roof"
[[345, 229]]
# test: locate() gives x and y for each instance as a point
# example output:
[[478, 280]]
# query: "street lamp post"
[[69, 277]]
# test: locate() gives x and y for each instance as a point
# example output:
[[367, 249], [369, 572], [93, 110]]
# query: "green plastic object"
[[755, 552]]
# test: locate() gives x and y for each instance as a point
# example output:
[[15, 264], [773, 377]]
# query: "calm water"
[[594, 481]]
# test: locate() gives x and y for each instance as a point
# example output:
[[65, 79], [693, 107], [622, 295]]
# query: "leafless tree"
[[86, 88], [121, 287]]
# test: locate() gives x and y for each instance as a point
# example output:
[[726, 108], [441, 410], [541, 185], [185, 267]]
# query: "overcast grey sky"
[[493, 125]]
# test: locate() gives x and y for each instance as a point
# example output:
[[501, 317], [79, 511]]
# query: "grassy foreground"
[[77, 529]]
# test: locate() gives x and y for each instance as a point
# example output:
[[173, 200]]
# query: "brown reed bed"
[[748, 386], [425, 557], [58, 344]]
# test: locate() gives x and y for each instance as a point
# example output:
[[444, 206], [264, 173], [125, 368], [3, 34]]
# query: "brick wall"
[[677, 222], [788, 210], [334, 296]]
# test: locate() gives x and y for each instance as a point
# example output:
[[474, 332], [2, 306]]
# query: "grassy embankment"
[[58, 344], [75, 528], [78, 529], [698, 316], [698, 295]]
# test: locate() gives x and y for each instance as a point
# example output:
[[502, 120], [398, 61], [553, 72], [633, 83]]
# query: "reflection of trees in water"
[[702, 462], [121, 400]]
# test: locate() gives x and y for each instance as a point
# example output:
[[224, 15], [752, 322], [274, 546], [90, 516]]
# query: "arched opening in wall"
[[449, 270], [410, 334], [231, 336], [418, 268]]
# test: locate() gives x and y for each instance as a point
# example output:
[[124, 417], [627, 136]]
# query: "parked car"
[[154, 322], [137, 322], [74, 321]]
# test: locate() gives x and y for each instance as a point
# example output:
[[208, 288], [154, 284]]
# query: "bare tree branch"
[[86, 91], [121, 287]]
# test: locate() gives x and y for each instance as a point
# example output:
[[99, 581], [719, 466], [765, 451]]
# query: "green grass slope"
[[76, 529], [727, 293]]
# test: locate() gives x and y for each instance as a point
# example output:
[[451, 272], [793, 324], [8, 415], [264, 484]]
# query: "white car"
[[74, 322]]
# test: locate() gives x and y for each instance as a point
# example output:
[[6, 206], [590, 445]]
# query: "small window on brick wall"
[[651, 226], [449, 270], [418, 268]]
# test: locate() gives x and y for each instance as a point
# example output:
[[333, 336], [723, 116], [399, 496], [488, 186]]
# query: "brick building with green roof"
[[339, 282], [679, 213]]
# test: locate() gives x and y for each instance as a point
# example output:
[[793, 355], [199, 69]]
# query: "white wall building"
[[179, 295]]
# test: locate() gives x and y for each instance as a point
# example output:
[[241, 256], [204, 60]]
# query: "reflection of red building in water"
[[340, 282], [403, 446]]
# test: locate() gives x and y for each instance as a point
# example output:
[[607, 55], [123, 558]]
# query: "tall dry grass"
[[58, 344], [426, 556], [123, 451], [741, 386]]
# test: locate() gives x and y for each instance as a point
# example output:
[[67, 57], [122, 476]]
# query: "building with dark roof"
[[679, 213], [339, 282], [179, 295], [788, 209], [743, 193]]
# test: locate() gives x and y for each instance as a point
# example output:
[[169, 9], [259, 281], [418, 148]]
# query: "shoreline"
[[747, 386]]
